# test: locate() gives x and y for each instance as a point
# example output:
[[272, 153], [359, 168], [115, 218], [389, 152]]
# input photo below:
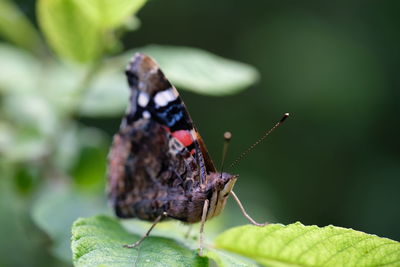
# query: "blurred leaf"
[[89, 171], [16, 28], [37, 97], [30, 110], [70, 30], [18, 69], [61, 85], [299, 245], [132, 24], [26, 177], [31, 122], [191, 68], [81, 30], [21, 144], [111, 13], [21, 73], [18, 234], [108, 94], [200, 71], [82, 153], [6, 135], [57, 208], [98, 241]]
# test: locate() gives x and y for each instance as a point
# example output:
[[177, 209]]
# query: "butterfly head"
[[224, 183]]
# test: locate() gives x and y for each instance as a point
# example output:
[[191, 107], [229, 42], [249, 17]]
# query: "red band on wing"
[[184, 137]]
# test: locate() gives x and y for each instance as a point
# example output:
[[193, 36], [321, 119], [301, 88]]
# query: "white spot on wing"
[[146, 114], [143, 99], [164, 97]]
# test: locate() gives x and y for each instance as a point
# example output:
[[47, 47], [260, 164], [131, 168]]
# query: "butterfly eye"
[[226, 194]]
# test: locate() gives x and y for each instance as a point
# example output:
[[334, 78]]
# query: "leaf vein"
[[375, 248], [262, 237], [345, 248], [316, 243], [390, 263], [296, 237]]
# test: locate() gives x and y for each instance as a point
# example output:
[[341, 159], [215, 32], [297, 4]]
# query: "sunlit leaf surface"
[[111, 13], [81, 30], [299, 245], [11, 18]]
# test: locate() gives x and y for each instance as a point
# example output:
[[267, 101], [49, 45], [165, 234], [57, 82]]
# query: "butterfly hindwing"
[[146, 165]]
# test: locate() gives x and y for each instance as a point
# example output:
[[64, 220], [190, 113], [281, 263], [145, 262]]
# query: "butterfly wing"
[[146, 166], [209, 164], [157, 151], [154, 97]]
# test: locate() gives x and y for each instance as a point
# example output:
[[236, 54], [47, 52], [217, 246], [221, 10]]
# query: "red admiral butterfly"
[[159, 167]]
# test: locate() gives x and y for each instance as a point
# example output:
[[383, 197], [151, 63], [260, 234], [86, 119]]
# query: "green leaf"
[[111, 13], [99, 240], [82, 30], [57, 208], [70, 30], [89, 169], [18, 234], [108, 94], [30, 122], [14, 64], [299, 245], [17, 29], [189, 68], [201, 71]]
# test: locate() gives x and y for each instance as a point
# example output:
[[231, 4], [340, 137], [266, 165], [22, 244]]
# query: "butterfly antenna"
[[227, 139], [247, 151]]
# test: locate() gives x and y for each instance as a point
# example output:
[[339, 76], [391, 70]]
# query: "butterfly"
[[158, 165]]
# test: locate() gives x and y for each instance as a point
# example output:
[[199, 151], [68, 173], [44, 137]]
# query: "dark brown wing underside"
[[145, 75], [147, 169]]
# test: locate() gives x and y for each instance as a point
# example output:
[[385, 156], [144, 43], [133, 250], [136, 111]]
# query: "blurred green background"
[[332, 65]]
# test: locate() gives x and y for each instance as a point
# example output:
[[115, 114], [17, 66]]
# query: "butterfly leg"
[[251, 220], [203, 221], [137, 243]]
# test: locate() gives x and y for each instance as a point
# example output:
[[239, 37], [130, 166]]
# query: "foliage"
[[299, 245], [53, 161], [84, 30], [98, 241], [210, 75]]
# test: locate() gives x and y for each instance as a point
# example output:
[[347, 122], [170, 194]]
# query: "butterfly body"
[[158, 163]]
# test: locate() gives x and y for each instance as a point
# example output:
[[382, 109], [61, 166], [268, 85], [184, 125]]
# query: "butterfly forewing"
[[157, 157]]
